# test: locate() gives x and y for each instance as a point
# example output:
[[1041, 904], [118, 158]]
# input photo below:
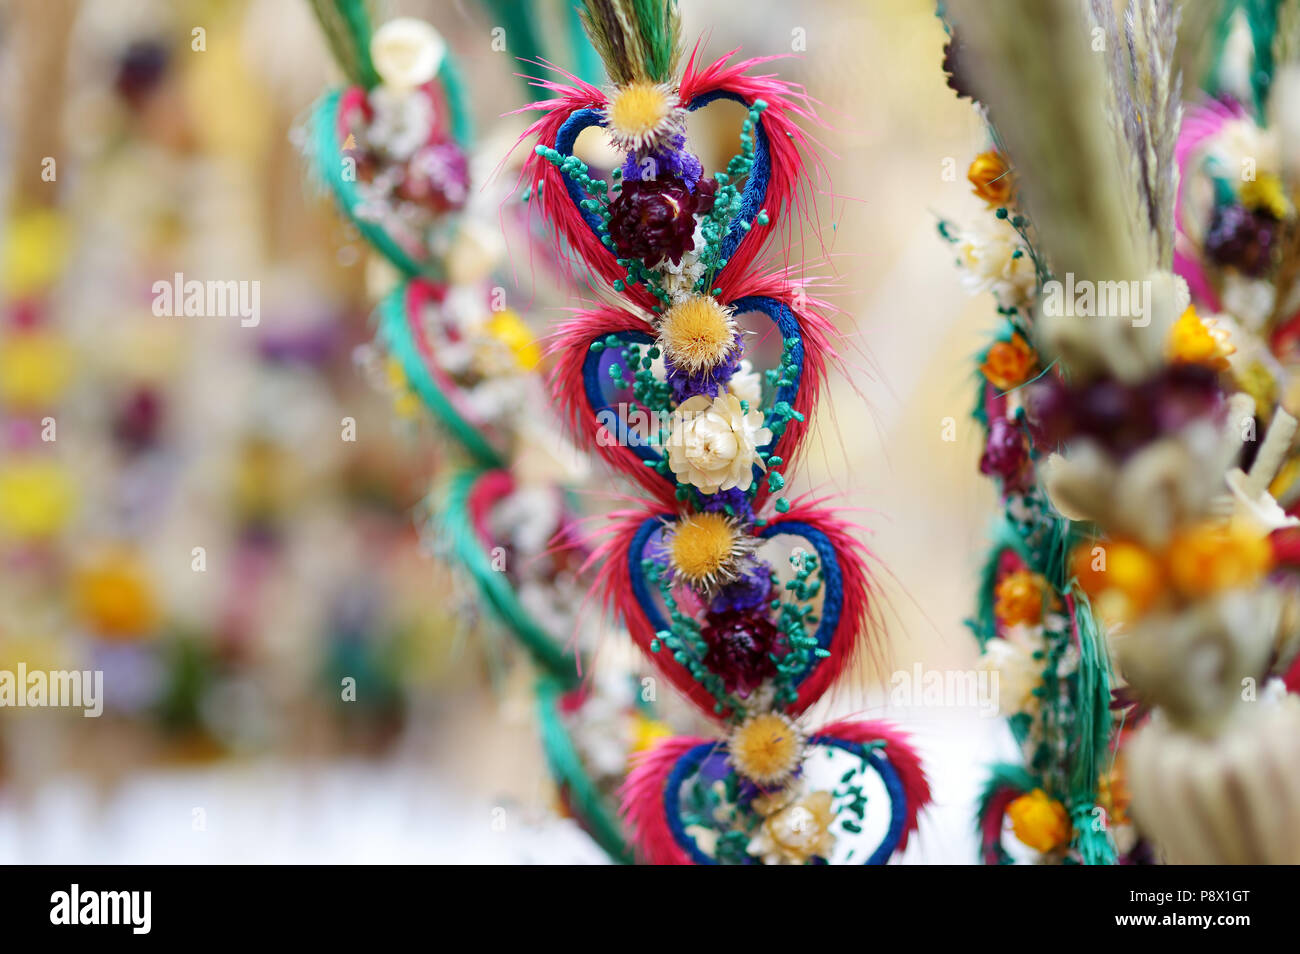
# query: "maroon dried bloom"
[[1123, 418], [954, 60], [1241, 239], [437, 177], [654, 219], [741, 644], [1006, 455]]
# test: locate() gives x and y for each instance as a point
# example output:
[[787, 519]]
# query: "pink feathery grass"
[[546, 183], [991, 819], [568, 347], [819, 353], [611, 552], [859, 628], [641, 798], [787, 105], [1201, 123], [904, 759]]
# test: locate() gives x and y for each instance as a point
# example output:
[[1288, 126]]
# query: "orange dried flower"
[[991, 177], [1123, 580], [1019, 598], [1040, 821], [1009, 364], [1212, 557]]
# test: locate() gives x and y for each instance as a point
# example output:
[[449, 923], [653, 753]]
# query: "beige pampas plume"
[[1151, 34], [1037, 66]]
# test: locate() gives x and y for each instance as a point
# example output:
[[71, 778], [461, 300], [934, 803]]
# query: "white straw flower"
[[713, 443], [988, 253], [407, 53], [746, 384], [1019, 674], [401, 123]]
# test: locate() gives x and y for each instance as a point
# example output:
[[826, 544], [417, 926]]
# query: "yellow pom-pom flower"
[[1265, 193], [642, 116], [697, 333], [36, 498], [509, 329], [1197, 340], [766, 748], [35, 368], [1040, 821], [705, 548]]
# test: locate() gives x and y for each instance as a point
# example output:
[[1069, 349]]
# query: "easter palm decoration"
[[1142, 423], [658, 381]]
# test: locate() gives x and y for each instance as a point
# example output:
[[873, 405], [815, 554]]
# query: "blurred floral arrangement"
[[504, 512], [104, 503], [1034, 624], [1128, 409], [657, 381]]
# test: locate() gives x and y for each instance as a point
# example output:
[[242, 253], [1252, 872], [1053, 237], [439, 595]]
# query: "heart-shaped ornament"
[[502, 535], [396, 163], [853, 799], [626, 420], [733, 651], [753, 196]]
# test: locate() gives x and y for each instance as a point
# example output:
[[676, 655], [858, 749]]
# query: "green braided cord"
[[516, 17], [1001, 775], [395, 334], [984, 625], [462, 122], [458, 530], [1261, 15], [329, 166], [346, 25], [1092, 731], [567, 768]]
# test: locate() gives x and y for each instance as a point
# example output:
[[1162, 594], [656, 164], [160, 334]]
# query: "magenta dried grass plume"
[[642, 800]]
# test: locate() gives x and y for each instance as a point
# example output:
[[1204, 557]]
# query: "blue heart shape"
[[751, 199], [829, 567], [690, 762], [595, 372]]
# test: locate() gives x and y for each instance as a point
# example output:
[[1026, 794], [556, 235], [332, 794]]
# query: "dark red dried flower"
[[654, 219], [1121, 417], [954, 59], [1006, 455], [437, 177], [741, 644], [1242, 239]]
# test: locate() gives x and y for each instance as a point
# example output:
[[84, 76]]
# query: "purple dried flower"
[[710, 381], [753, 589], [1242, 239], [673, 162], [1006, 454]]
